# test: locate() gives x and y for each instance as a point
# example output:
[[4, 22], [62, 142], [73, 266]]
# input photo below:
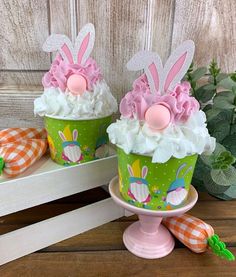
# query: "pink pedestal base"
[[145, 245], [148, 238]]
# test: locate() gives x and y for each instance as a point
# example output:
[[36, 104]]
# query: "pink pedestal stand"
[[148, 238]]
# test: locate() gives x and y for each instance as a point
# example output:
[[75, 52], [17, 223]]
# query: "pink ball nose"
[[76, 84], [158, 117]]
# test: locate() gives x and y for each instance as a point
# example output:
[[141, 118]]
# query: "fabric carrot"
[[197, 235], [20, 148]]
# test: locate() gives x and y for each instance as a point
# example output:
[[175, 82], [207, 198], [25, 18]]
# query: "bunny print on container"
[[71, 147], [177, 191], [138, 185]]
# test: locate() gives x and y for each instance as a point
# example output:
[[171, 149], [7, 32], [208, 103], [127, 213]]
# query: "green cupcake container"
[[77, 141], [154, 186]]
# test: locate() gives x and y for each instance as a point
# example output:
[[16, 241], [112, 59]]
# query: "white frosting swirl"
[[98, 103], [178, 140]]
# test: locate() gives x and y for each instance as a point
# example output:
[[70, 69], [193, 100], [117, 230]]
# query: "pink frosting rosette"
[[60, 71], [179, 101], [159, 97]]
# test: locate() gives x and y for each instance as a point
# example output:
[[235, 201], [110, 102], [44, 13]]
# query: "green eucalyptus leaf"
[[205, 93], [233, 76], [213, 187], [223, 161], [231, 192], [221, 130], [227, 83], [209, 87], [207, 159], [221, 77], [230, 143], [198, 73], [201, 169], [210, 159], [207, 107], [218, 149], [224, 115], [222, 196], [211, 79], [225, 177], [224, 100], [212, 113], [233, 129]]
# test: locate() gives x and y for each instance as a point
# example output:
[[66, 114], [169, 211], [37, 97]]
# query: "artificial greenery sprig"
[[216, 93]]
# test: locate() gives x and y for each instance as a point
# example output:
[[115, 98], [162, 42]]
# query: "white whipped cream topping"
[[179, 140], [98, 103]]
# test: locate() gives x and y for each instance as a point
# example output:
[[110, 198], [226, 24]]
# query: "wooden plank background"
[[123, 27]]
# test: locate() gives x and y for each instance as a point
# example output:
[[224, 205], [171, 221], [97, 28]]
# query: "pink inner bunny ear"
[[60, 43], [67, 52], [83, 47], [177, 65], [152, 65], [84, 43], [174, 70], [154, 76]]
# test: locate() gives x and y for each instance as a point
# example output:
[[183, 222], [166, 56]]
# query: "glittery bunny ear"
[[62, 44], [177, 65], [153, 68], [84, 43]]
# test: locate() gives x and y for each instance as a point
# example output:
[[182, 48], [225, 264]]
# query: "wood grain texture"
[[160, 26], [23, 80], [109, 236], [180, 262], [220, 210], [23, 30], [60, 17], [121, 28], [16, 108], [211, 24], [101, 252]]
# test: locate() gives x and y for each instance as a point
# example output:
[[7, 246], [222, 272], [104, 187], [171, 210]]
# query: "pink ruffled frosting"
[[136, 102], [60, 71]]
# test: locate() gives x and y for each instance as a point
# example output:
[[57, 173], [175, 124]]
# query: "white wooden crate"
[[45, 182]]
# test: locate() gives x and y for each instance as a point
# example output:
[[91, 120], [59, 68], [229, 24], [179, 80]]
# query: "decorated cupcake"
[[160, 133], [77, 103]]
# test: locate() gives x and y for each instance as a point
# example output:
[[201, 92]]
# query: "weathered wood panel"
[[211, 24], [25, 80], [24, 27], [16, 109], [61, 12], [62, 19], [160, 27], [180, 262], [121, 28]]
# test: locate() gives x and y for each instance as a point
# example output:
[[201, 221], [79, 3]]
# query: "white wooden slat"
[[29, 239], [51, 181]]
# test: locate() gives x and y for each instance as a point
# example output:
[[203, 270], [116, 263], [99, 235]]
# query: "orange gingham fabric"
[[191, 231], [21, 147], [15, 134]]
